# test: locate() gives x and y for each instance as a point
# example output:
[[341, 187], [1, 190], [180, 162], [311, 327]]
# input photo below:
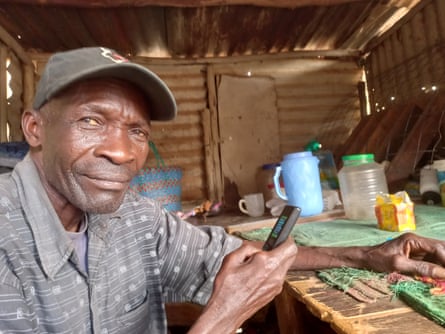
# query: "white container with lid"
[[429, 187], [360, 180]]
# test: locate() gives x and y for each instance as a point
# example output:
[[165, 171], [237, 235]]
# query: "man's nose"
[[117, 147]]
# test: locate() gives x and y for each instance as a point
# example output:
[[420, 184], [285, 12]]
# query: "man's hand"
[[248, 279], [409, 254]]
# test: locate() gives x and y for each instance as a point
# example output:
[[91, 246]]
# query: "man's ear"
[[32, 127]]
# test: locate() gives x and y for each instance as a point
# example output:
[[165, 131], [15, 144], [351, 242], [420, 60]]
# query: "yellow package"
[[395, 212]]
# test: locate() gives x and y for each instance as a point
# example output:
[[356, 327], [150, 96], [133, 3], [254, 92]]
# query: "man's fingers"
[[429, 249], [281, 256], [244, 253], [287, 248], [420, 268], [438, 272]]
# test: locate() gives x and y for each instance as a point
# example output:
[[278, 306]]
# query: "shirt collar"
[[53, 244]]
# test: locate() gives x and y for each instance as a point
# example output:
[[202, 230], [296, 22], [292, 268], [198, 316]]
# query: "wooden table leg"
[[294, 318], [288, 315]]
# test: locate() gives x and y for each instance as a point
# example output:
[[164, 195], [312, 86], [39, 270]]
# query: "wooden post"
[[208, 150], [400, 74], [376, 89], [28, 85], [384, 84], [28, 78], [3, 97], [214, 163]]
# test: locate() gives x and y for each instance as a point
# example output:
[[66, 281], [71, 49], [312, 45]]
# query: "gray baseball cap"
[[66, 68]]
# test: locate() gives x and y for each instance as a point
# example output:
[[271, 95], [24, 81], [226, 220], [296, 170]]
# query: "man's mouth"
[[109, 182]]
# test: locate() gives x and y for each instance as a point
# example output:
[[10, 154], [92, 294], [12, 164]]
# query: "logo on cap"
[[113, 56]]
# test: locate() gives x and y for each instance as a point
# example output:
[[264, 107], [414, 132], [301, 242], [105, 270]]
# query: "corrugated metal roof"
[[230, 28]]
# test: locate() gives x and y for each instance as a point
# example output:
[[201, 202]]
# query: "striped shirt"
[[139, 257]]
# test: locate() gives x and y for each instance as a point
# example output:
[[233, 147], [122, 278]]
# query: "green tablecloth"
[[430, 222]]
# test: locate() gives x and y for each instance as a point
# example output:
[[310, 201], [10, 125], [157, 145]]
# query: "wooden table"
[[306, 300], [307, 305]]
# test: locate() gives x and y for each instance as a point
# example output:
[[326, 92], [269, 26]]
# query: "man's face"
[[94, 140]]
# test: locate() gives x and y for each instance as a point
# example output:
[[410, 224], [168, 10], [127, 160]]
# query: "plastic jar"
[[360, 180]]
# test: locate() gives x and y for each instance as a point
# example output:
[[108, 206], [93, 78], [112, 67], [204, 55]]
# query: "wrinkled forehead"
[[102, 86]]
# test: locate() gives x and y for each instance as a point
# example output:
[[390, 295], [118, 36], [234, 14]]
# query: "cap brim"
[[161, 101]]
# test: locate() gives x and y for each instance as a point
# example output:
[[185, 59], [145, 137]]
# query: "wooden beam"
[[182, 3], [305, 54], [410, 10], [415, 144], [390, 131], [14, 46]]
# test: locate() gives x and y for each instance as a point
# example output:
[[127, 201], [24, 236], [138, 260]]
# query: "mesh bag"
[[161, 183]]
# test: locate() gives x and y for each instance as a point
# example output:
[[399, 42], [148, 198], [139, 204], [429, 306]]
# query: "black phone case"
[[282, 227]]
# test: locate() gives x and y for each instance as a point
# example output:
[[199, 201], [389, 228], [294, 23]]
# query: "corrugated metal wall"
[[410, 62], [180, 142], [316, 99]]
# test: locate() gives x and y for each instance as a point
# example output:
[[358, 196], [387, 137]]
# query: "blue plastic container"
[[301, 177]]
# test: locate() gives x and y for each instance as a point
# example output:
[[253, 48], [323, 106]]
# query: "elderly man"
[[82, 254]]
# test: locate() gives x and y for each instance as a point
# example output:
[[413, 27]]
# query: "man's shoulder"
[[6, 178], [9, 198]]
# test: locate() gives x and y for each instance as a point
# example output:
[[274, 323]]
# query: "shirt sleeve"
[[191, 257]]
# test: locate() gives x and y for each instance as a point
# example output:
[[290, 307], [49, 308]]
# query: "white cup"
[[252, 204]]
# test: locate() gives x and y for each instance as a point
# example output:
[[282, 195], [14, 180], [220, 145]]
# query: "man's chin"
[[104, 206]]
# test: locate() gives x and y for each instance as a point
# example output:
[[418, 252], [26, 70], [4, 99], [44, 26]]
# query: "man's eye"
[[140, 133], [90, 121]]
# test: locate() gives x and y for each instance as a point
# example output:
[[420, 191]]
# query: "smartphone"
[[282, 228]]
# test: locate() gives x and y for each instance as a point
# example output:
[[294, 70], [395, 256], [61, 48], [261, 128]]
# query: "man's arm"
[[250, 278], [409, 254]]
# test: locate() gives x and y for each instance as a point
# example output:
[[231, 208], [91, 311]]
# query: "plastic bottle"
[[361, 179], [328, 170]]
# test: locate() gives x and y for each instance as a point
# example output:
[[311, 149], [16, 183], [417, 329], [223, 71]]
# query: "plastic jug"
[[301, 178]]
